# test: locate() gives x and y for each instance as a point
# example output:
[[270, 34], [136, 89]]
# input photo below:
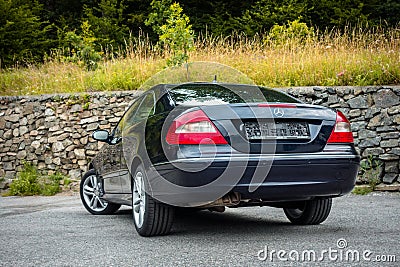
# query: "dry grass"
[[352, 57]]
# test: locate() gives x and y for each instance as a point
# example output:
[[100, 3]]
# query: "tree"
[[160, 12], [264, 14], [22, 33], [177, 35], [107, 22]]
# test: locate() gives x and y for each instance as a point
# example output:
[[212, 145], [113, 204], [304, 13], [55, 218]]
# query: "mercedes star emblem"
[[278, 112]]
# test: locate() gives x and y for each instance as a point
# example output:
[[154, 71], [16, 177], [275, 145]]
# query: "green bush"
[[80, 48], [29, 182], [371, 168], [294, 32], [26, 183], [50, 185]]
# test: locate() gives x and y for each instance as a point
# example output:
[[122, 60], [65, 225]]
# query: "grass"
[[362, 190], [351, 57]]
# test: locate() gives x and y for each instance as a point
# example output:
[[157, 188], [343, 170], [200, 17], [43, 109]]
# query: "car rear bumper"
[[265, 177]]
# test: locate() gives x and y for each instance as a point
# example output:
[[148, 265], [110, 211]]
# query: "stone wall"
[[53, 131]]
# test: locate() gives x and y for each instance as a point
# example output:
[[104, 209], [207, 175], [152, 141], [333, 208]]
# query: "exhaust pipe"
[[229, 200]]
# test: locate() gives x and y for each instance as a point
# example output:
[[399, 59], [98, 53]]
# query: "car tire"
[[151, 217], [310, 212], [90, 191]]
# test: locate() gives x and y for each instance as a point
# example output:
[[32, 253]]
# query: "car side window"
[[117, 133], [164, 104], [130, 114], [146, 108]]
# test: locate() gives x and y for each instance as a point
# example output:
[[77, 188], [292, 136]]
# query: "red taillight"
[[194, 128], [341, 132]]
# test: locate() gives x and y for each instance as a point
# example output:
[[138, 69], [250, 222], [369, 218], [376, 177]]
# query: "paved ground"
[[57, 231]]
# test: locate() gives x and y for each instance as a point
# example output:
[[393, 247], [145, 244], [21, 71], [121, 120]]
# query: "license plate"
[[277, 130]]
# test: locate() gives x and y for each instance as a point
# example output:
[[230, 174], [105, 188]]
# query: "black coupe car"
[[213, 145]]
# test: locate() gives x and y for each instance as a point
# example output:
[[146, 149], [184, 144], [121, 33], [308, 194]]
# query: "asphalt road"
[[57, 231]]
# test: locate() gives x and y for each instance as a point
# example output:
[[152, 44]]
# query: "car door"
[[110, 170], [133, 136]]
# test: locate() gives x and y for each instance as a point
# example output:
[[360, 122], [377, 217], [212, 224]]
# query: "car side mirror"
[[101, 135]]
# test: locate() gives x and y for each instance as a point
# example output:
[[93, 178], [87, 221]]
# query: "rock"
[[396, 151], [21, 154], [85, 114], [76, 108], [23, 121], [57, 147], [396, 119], [390, 143], [4, 183], [70, 148], [357, 91], [373, 151], [49, 112], [92, 127], [354, 113], [35, 144], [48, 160], [28, 109], [63, 136], [392, 166], [84, 140], [79, 153], [388, 157], [57, 161], [389, 178], [23, 130], [21, 146], [390, 135], [371, 112], [7, 134], [369, 142], [388, 187], [89, 120], [12, 118], [381, 119], [358, 102], [52, 139], [16, 132], [8, 166], [10, 175], [363, 134], [113, 120], [82, 162], [394, 110], [386, 98], [67, 142], [75, 174], [50, 118], [54, 128], [358, 125], [91, 153], [31, 156], [385, 129]]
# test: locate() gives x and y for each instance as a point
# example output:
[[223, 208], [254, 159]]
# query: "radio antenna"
[[215, 79]]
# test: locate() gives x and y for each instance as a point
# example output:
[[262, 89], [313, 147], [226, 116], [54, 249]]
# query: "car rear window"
[[214, 94]]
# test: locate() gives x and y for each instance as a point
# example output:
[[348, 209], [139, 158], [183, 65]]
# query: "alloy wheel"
[[138, 199], [92, 192]]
